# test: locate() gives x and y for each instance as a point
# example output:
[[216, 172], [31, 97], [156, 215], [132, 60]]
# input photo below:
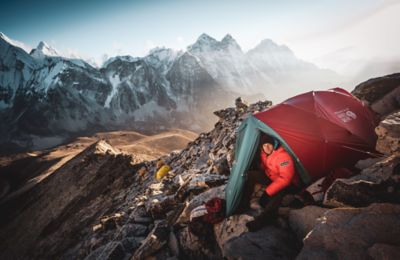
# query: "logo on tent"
[[346, 115]]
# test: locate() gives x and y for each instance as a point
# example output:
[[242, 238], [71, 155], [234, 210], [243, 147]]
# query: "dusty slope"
[[62, 206], [20, 172]]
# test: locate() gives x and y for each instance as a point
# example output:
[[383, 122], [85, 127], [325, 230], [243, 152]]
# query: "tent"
[[321, 130]]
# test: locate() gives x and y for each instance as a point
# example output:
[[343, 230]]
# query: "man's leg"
[[269, 213], [253, 177]]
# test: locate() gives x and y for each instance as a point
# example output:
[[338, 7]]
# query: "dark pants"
[[271, 208], [258, 176]]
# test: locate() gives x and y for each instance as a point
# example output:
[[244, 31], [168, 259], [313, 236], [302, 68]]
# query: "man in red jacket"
[[279, 175]]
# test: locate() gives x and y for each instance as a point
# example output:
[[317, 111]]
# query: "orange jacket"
[[279, 168]]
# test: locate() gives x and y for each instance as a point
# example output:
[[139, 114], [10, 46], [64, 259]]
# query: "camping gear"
[[162, 172], [215, 211], [321, 130], [204, 216], [198, 212]]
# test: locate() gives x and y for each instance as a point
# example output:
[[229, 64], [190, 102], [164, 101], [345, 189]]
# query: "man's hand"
[[264, 200]]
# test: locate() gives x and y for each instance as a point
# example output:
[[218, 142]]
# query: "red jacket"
[[279, 168]]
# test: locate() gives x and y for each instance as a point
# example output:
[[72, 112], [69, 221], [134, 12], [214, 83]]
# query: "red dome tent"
[[322, 130]]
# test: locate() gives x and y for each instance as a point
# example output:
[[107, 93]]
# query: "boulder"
[[388, 132], [377, 183], [267, 243], [157, 238], [388, 103], [208, 180], [173, 244], [382, 94], [200, 183], [140, 216], [302, 221], [130, 244], [221, 166], [159, 205], [111, 222], [363, 164], [194, 247], [351, 233], [110, 251], [230, 228], [384, 252], [133, 230]]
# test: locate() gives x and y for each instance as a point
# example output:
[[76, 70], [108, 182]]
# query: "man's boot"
[[259, 222], [255, 197]]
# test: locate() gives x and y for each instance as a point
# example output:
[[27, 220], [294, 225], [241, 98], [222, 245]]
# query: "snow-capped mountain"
[[289, 74], [15, 43], [16, 68], [43, 50], [45, 97], [226, 62], [269, 56]]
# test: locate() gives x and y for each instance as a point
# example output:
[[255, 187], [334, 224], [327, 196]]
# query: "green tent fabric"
[[247, 144]]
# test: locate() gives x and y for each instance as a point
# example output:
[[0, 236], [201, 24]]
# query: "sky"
[[340, 35]]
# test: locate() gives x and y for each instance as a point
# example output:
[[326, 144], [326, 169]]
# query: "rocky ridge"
[[111, 208]]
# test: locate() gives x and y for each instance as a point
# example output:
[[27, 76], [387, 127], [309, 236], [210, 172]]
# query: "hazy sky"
[[336, 34]]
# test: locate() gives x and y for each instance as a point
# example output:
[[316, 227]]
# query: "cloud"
[[373, 36], [149, 44], [118, 48], [180, 43], [73, 53]]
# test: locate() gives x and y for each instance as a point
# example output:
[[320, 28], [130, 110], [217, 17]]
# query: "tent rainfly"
[[321, 130]]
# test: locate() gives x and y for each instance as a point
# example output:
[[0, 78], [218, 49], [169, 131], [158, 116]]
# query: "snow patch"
[[52, 77], [43, 50], [115, 81], [15, 43], [77, 62], [126, 58]]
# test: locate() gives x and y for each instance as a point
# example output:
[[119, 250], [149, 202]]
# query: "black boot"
[[255, 225], [266, 218]]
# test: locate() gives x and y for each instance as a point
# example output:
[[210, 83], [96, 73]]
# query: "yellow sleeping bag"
[[162, 172]]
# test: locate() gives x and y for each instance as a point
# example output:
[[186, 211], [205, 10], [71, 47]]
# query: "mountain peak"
[[204, 42], [15, 43], [208, 43], [270, 45], [47, 49], [228, 40], [2, 35], [161, 53], [5, 38], [43, 50], [205, 38], [42, 45]]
